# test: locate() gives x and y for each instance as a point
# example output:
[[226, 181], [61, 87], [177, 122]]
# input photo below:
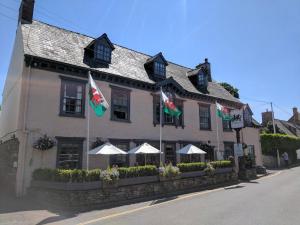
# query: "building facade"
[[45, 93]]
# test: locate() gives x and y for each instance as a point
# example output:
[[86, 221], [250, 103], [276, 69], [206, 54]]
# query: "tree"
[[232, 90]]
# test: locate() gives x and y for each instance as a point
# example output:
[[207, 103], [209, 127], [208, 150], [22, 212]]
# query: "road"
[[271, 200]]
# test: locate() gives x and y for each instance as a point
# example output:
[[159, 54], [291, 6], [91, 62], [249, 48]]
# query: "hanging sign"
[[237, 120], [238, 150]]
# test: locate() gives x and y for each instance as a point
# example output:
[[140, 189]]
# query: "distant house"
[[45, 93], [289, 127]]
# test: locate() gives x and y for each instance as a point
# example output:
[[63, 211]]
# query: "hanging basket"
[[44, 143]]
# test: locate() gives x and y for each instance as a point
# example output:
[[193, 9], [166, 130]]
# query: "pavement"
[[269, 200]]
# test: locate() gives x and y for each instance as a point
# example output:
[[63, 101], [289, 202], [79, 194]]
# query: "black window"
[[159, 69], [228, 149], [69, 153], [227, 123], [120, 104], [247, 118], [103, 52], [168, 119], [120, 160], [72, 97], [201, 79], [204, 116]]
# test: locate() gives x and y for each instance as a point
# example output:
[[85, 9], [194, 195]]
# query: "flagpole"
[[218, 140], [160, 125], [88, 125]]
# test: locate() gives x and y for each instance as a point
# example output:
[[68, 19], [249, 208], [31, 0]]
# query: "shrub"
[[284, 143], [209, 170], [61, 175], [221, 164], [169, 171], [188, 167], [110, 175], [137, 171]]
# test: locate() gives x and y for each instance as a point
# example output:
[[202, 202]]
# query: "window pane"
[[103, 53], [159, 68], [69, 156], [73, 95], [120, 104], [204, 117]]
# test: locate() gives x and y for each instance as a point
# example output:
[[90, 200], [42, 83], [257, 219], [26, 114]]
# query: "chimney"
[[266, 117], [206, 68], [295, 114], [26, 11]]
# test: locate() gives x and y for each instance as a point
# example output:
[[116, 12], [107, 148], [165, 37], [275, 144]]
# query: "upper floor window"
[[226, 125], [204, 114], [72, 97], [103, 52], [167, 119], [159, 69], [201, 79], [120, 104]]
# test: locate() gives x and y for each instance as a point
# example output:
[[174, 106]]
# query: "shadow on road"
[[234, 187], [158, 201]]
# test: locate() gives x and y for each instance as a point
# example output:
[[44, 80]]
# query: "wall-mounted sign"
[[237, 120], [238, 150]]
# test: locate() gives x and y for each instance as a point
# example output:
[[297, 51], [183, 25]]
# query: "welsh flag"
[[96, 98], [223, 112], [169, 106]]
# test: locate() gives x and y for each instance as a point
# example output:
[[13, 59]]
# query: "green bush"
[[137, 171], [189, 167], [169, 171], [284, 143], [221, 164], [61, 175], [199, 166], [110, 175]]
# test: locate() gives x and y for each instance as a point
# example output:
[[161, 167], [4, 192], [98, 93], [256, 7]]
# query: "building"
[[289, 127], [45, 93]]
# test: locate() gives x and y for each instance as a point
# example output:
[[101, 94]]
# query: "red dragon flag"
[[96, 98], [169, 106]]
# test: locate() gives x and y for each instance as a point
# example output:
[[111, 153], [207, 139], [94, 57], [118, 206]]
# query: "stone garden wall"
[[125, 191]]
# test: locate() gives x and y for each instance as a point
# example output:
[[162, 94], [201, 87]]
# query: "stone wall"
[[115, 195]]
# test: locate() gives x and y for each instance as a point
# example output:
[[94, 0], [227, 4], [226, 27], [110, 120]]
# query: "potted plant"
[[169, 172], [109, 177]]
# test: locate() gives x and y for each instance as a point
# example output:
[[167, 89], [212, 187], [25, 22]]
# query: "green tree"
[[232, 90]]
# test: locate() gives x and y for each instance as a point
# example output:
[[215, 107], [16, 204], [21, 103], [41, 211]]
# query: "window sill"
[[202, 129], [71, 115], [119, 120]]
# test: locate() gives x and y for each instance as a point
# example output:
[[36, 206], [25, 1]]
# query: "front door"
[[170, 153]]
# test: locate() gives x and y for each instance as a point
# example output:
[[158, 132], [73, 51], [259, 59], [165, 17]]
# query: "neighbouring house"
[[45, 92], [290, 127]]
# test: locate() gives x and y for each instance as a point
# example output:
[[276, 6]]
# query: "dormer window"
[[103, 53], [159, 69], [156, 67], [202, 81], [98, 53]]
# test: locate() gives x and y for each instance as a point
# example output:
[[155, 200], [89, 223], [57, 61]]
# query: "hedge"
[[188, 167], [61, 175], [199, 166], [137, 171], [284, 143], [79, 176]]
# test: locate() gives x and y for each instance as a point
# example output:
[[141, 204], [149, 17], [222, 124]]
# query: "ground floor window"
[[120, 160], [69, 153], [228, 149], [151, 159], [170, 153]]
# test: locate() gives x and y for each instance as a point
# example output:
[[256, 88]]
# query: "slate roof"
[[57, 44], [286, 127]]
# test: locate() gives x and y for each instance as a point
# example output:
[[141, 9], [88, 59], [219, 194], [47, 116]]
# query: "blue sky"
[[253, 45]]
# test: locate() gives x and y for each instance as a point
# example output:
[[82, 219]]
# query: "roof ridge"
[[121, 46]]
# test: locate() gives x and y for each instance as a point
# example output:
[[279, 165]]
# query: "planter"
[[67, 186], [193, 174], [106, 185], [137, 180], [223, 170], [161, 178]]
